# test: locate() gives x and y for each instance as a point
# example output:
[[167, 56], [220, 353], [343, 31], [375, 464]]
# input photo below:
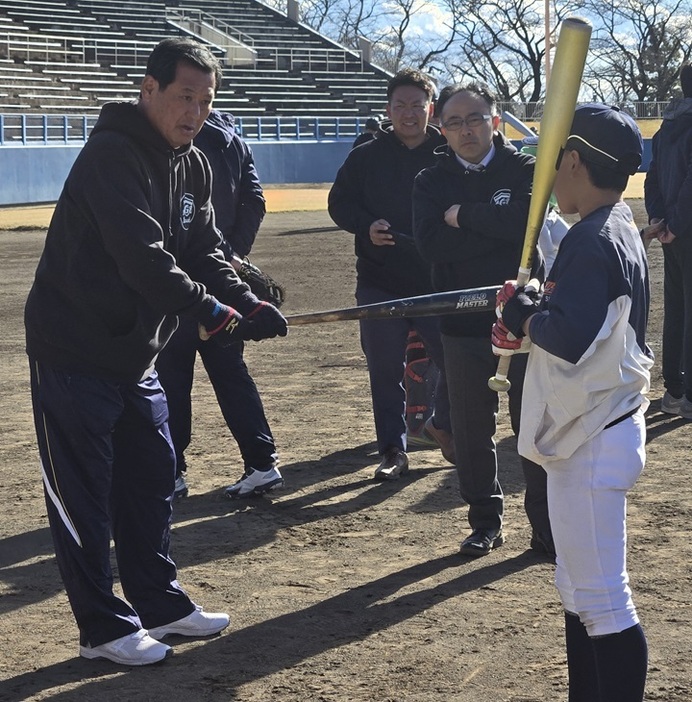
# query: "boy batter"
[[584, 400]]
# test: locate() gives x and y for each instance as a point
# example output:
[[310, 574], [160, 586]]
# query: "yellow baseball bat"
[[560, 103]]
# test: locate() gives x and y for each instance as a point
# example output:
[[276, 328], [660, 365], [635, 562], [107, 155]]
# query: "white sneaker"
[[138, 648], [199, 623], [255, 482], [180, 487]]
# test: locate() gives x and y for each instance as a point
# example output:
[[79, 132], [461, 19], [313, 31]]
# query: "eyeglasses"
[[473, 120]]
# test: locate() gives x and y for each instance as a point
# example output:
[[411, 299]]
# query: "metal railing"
[[48, 47], [39, 129], [45, 47], [36, 129], [199, 17], [312, 59], [299, 128], [533, 111]]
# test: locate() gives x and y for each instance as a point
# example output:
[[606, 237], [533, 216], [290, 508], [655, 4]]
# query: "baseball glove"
[[261, 284]]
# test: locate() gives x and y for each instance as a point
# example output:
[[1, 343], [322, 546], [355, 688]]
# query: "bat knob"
[[498, 383]]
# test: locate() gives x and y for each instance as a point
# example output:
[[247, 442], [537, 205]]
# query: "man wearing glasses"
[[470, 212]]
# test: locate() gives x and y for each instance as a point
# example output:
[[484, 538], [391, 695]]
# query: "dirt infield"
[[310, 197], [340, 589], [307, 198]]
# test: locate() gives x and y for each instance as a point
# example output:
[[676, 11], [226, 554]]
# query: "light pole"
[[546, 16]]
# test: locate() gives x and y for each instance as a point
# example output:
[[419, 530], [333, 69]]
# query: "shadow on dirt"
[[285, 641]]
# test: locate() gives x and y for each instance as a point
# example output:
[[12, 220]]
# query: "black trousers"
[[470, 362], [677, 321], [235, 390]]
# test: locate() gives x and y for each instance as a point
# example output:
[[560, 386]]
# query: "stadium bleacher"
[[70, 57]]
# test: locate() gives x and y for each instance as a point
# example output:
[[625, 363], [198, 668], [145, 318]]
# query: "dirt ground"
[[340, 589]]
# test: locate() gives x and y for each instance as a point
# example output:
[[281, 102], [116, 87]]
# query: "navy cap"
[[605, 136]]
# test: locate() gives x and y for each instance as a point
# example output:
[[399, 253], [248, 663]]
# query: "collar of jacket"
[[126, 118], [387, 135], [678, 108], [447, 158]]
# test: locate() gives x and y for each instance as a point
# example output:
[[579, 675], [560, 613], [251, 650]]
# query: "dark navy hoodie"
[[237, 196], [668, 184], [131, 246]]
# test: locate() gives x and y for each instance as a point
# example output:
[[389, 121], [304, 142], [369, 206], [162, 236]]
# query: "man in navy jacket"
[[668, 198], [239, 209]]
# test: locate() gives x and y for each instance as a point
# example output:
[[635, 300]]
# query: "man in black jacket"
[[668, 198], [470, 213], [131, 247], [239, 209], [372, 127], [371, 197]]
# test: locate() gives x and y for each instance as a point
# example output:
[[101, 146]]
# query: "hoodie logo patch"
[[187, 210], [501, 197]]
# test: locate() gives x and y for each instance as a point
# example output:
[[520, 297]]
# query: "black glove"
[[223, 324], [519, 308], [264, 322], [261, 283]]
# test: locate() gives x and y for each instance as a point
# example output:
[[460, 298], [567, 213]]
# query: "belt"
[[622, 418]]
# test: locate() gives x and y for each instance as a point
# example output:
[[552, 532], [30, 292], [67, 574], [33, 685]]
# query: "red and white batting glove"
[[222, 324], [503, 294], [503, 341]]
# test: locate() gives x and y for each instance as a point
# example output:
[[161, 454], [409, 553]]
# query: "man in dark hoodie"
[[470, 213], [131, 247], [371, 197], [239, 209], [668, 198]]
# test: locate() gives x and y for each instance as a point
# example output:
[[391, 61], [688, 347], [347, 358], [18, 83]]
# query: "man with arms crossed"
[[470, 214], [668, 197]]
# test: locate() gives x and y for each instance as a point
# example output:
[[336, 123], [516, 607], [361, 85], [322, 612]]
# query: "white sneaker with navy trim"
[[199, 623], [138, 648], [256, 482]]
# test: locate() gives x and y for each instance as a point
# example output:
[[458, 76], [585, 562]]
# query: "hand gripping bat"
[[560, 103]]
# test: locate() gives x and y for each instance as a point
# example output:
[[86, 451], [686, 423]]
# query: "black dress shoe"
[[543, 544], [481, 542]]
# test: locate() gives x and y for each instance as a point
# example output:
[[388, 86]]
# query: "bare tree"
[[636, 51], [501, 43], [638, 48], [421, 32], [403, 32]]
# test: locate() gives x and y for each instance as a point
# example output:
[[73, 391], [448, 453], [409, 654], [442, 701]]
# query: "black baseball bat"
[[451, 302]]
